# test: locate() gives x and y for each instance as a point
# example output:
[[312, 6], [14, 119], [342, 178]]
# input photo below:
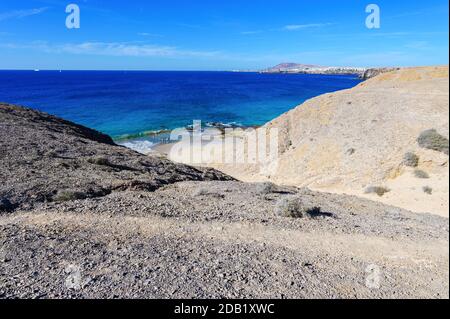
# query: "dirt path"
[[379, 249], [399, 262]]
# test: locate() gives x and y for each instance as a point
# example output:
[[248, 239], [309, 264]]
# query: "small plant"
[[432, 140], [68, 195], [206, 192], [294, 207], [428, 190], [100, 161], [379, 190], [421, 174], [265, 188], [200, 192], [52, 154], [410, 159]]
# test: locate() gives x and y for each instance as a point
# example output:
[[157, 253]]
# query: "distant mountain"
[[312, 69]]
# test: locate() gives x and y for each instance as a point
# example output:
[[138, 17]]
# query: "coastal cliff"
[[47, 159], [373, 72]]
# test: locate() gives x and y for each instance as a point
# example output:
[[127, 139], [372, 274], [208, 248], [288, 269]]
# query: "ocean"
[[129, 104]]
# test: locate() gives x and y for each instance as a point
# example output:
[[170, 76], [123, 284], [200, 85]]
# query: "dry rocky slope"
[[366, 139], [83, 218]]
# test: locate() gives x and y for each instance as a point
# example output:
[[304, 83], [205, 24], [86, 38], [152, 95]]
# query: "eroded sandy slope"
[[347, 141]]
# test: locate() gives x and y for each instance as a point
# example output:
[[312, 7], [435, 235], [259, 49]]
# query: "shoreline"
[[161, 142]]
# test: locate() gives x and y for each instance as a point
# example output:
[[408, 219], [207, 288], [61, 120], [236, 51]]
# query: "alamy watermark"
[[373, 20], [2, 254], [254, 146], [73, 19], [373, 278], [74, 280]]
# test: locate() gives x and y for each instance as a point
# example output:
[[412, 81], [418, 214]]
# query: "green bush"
[[428, 190], [294, 207], [432, 140], [421, 174], [202, 192], [67, 195], [379, 190], [265, 188], [410, 159], [100, 161]]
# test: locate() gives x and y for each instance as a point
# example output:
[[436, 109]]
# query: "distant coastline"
[[296, 68]]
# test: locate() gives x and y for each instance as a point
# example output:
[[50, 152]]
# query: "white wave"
[[143, 147], [224, 125]]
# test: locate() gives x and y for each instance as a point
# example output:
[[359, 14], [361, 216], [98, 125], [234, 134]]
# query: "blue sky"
[[220, 35]]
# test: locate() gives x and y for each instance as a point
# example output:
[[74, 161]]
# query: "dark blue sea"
[[122, 103]]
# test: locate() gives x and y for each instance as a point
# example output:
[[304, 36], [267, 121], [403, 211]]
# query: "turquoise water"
[[128, 103]]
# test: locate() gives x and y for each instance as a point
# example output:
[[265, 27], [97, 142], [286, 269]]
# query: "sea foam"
[[140, 146]]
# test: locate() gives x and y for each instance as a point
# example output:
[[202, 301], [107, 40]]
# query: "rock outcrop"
[[373, 72], [45, 159]]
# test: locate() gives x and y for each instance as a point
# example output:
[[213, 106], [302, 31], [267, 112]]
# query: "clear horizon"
[[225, 36], [162, 70]]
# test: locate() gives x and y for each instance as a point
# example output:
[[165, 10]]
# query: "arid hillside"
[[386, 139]]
